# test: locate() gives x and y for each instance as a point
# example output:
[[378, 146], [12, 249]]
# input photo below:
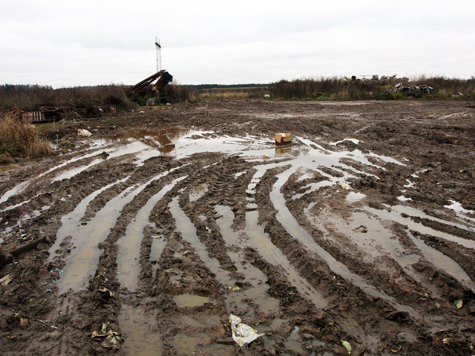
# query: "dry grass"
[[378, 88], [252, 92], [18, 139]]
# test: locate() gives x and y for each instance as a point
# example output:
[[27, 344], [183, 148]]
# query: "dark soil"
[[396, 275]]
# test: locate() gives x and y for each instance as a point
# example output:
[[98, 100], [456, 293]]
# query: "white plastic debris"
[[243, 334], [344, 185], [84, 133]]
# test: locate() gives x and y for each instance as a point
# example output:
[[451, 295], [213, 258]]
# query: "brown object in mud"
[[5, 258], [283, 138]]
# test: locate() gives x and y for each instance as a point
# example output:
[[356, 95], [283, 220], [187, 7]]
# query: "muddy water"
[[253, 275], [85, 238], [15, 190], [190, 300], [397, 217], [375, 231], [402, 209], [188, 232], [71, 222], [140, 337], [254, 236], [129, 245], [461, 212], [443, 262], [285, 217]]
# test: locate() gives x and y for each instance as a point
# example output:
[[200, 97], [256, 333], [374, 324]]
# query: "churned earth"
[[358, 237]]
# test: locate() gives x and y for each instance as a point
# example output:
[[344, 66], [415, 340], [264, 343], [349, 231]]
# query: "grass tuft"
[[19, 139]]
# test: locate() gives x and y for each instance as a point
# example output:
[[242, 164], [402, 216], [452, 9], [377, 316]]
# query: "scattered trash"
[[415, 91], [84, 133], [283, 138], [459, 303], [235, 289], [267, 96], [5, 280], [347, 346], [23, 322], [363, 229], [344, 185], [242, 334], [111, 339]]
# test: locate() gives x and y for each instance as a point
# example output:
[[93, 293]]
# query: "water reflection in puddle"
[[129, 245], [15, 190], [140, 334], [443, 262], [254, 236], [353, 197], [190, 300], [188, 232], [376, 232], [258, 291], [285, 217], [83, 260], [397, 217], [185, 344]]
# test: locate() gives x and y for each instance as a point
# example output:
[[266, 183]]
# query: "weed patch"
[[18, 139]]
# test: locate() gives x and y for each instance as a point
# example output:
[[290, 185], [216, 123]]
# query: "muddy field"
[[360, 233]]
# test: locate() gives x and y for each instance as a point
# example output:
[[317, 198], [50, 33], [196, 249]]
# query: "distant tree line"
[[225, 86], [23, 88]]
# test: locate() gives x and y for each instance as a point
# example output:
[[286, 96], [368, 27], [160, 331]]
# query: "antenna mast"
[[159, 54]]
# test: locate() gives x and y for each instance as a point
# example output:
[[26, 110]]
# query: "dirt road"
[[360, 233]]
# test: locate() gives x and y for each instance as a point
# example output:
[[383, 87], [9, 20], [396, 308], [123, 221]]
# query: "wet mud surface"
[[360, 232]]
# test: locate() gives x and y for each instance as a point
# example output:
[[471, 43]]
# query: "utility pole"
[[159, 54]]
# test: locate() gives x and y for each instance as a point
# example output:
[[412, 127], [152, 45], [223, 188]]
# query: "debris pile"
[[413, 90]]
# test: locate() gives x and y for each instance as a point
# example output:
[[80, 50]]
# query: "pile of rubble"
[[413, 90]]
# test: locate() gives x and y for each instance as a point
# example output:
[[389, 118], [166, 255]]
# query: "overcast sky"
[[67, 43]]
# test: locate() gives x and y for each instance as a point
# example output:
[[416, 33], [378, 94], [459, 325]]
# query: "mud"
[[166, 221]]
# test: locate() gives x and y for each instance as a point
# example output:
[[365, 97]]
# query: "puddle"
[[75, 171], [375, 231], [258, 291], [260, 240], [190, 300], [128, 267], [293, 342], [402, 209], [353, 197], [443, 262], [292, 226], [186, 320], [198, 192], [84, 258], [140, 334], [156, 250], [396, 216], [188, 232], [460, 211], [15, 190], [354, 140], [190, 345], [71, 221]]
